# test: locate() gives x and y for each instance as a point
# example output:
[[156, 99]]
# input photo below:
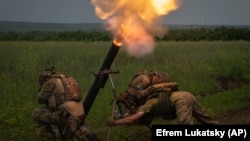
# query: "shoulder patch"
[[48, 86]]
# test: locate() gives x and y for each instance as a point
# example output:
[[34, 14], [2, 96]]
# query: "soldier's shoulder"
[[49, 85]]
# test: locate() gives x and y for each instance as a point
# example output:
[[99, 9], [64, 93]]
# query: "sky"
[[191, 12]]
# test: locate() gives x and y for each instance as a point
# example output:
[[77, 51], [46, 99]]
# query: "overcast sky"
[[204, 12]]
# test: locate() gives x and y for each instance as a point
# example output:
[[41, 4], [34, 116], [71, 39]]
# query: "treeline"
[[55, 36], [192, 34]]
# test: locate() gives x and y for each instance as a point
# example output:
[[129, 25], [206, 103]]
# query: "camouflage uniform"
[[66, 117], [161, 97], [187, 106], [179, 104]]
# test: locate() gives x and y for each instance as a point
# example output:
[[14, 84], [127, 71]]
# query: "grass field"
[[218, 73]]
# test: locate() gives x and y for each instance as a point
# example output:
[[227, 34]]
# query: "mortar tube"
[[100, 80]]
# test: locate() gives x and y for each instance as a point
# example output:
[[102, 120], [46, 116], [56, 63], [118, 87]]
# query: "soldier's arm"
[[127, 120], [45, 92]]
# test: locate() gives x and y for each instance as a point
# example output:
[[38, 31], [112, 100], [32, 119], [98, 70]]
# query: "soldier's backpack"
[[72, 90]]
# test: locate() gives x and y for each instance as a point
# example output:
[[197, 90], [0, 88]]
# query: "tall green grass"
[[194, 65]]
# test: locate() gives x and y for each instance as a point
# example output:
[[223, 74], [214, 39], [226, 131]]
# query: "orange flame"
[[135, 23], [117, 42]]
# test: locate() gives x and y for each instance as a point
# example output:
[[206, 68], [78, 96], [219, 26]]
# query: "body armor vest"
[[72, 90]]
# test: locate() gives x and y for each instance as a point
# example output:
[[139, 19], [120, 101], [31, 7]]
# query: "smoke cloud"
[[135, 23]]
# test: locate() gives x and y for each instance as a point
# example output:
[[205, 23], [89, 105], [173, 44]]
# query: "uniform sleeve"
[[148, 105], [45, 92]]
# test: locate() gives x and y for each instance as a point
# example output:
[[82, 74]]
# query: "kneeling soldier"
[[62, 108]]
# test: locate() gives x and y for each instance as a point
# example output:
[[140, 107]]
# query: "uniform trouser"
[[43, 119], [187, 107]]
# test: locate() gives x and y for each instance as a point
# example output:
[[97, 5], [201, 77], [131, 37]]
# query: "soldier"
[[152, 94], [62, 108]]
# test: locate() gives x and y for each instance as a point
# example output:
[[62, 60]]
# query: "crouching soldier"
[[152, 94], [62, 108]]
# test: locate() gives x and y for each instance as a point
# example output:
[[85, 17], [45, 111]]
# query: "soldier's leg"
[[183, 103], [201, 115], [42, 120]]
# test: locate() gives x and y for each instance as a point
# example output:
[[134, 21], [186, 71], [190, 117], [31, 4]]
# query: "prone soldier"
[[152, 94]]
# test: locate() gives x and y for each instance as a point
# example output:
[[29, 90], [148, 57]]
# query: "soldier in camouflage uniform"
[[62, 108], [152, 94]]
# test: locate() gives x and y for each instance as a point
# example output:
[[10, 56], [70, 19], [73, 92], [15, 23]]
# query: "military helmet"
[[46, 74], [141, 82], [161, 78]]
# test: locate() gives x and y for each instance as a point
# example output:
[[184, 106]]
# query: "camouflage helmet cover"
[[141, 81], [162, 77], [45, 74]]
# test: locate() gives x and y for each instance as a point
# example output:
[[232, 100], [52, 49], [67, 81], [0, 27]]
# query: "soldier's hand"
[[111, 121]]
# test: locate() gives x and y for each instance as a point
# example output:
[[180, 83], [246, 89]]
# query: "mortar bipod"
[[109, 72]]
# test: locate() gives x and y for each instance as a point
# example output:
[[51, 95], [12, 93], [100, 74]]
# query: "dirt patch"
[[225, 83], [231, 82], [239, 116]]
